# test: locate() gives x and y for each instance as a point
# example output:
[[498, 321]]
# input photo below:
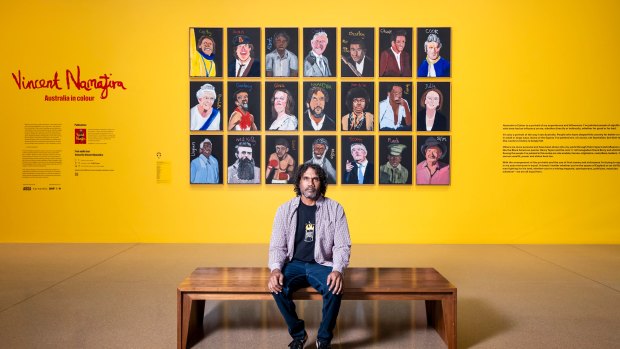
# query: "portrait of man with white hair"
[[433, 64], [320, 150], [316, 63], [204, 152], [358, 166]]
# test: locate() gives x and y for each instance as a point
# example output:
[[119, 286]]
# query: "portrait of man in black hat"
[[434, 167], [243, 62]]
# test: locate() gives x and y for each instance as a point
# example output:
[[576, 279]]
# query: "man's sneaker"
[[323, 345], [298, 343]]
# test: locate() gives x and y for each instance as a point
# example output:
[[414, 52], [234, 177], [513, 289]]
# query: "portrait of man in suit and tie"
[[316, 63], [357, 165]]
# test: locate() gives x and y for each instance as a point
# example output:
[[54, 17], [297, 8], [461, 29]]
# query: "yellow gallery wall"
[[512, 62]]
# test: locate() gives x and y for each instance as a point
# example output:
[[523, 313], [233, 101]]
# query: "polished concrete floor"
[[124, 296]]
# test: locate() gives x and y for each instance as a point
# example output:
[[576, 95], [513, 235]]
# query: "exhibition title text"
[[72, 79]]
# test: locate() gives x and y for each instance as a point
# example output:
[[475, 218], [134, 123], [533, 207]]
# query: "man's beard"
[[319, 114], [312, 195], [318, 161], [246, 169]]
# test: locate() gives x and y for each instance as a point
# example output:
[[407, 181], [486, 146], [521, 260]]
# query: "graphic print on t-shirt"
[[309, 237]]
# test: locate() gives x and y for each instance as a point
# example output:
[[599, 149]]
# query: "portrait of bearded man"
[[244, 170]]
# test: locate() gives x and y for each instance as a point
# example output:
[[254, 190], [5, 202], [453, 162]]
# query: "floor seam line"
[[566, 268], [68, 278]]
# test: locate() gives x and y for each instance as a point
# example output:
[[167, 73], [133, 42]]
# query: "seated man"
[[310, 246]]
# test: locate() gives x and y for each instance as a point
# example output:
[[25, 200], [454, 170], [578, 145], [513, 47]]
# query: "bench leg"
[[192, 316], [441, 315]]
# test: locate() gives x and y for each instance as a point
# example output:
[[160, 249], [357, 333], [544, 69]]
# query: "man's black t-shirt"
[[304, 235]]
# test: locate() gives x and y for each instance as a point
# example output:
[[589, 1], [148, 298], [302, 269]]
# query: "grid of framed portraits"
[[371, 106]]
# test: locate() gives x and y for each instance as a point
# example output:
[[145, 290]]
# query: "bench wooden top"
[[356, 280]]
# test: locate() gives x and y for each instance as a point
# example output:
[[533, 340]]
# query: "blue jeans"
[[298, 275]]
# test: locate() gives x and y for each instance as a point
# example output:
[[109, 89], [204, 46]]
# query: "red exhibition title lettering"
[[103, 82], [22, 83]]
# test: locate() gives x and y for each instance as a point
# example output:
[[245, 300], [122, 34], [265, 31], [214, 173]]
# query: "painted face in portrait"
[[357, 54], [310, 185], [281, 43], [281, 150], [432, 50], [206, 45], [206, 101], [242, 100], [432, 100], [244, 153], [394, 160], [206, 149], [359, 153], [243, 52], [319, 151], [433, 154], [319, 44], [317, 103], [279, 102], [399, 44], [396, 94], [359, 104]]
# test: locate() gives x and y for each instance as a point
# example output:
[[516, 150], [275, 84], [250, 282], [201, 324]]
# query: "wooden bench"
[[359, 284]]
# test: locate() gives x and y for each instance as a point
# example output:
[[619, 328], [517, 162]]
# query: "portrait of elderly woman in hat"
[[431, 170], [393, 172]]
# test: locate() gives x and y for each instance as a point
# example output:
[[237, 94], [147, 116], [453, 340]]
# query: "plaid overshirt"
[[332, 245]]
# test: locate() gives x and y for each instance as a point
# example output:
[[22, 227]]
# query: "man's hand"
[[349, 166], [334, 281], [405, 104], [276, 280]]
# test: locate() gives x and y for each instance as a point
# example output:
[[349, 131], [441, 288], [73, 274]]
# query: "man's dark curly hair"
[[357, 92], [319, 171]]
